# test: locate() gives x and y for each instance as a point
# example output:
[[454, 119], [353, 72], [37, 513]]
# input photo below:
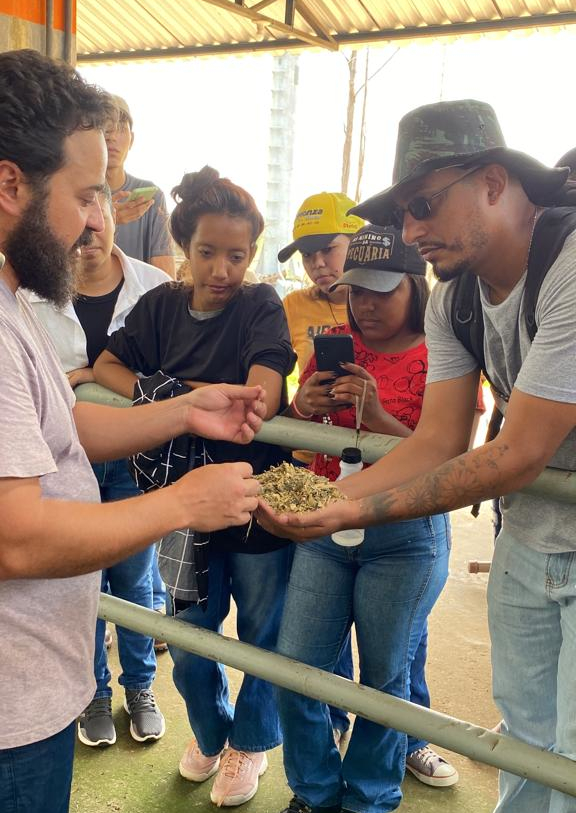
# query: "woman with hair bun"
[[208, 329]]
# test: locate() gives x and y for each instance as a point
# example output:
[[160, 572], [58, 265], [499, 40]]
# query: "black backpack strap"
[[467, 319], [550, 233]]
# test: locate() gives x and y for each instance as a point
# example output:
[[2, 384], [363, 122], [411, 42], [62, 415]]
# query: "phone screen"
[[331, 351]]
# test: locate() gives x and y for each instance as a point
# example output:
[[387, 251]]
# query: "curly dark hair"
[[205, 192], [42, 102]]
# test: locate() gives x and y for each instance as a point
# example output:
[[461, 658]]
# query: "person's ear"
[[496, 179], [131, 139], [14, 191]]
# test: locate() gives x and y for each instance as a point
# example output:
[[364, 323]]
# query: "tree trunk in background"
[[362, 143], [349, 127]]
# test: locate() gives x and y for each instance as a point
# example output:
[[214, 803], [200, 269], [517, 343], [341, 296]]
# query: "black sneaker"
[[296, 805], [146, 720], [96, 726]]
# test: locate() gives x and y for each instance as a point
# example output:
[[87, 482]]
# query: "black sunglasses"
[[420, 207]]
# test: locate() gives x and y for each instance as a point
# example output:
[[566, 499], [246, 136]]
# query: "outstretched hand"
[[309, 525], [226, 412]]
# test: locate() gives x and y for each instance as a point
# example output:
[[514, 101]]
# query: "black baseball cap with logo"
[[377, 259]]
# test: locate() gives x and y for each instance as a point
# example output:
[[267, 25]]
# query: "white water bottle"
[[350, 463]]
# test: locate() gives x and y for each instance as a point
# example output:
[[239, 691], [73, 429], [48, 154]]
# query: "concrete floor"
[[131, 778]]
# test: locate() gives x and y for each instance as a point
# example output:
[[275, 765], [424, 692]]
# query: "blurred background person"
[[141, 223]]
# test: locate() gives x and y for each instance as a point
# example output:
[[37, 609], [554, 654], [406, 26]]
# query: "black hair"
[[420, 294], [205, 192], [42, 102]]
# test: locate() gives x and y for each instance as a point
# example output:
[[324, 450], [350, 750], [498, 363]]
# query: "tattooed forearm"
[[472, 477]]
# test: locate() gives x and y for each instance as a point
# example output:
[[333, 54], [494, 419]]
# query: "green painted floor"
[[131, 778]]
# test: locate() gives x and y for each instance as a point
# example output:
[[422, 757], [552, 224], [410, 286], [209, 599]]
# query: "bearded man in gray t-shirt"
[[471, 204], [54, 534]]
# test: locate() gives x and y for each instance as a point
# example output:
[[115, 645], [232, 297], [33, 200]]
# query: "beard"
[[40, 260], [467, 252]]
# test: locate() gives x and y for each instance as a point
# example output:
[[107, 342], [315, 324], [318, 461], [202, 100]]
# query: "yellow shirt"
[[308, 315]]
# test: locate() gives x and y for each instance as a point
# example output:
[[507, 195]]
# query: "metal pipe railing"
[[554, 484], [480, 744], [476, 742]]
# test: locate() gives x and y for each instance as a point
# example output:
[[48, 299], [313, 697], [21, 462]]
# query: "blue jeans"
[[386, 587], [158, 586], [257, 583], [36, 778], [532, 616], [130, 579], [419, 692]]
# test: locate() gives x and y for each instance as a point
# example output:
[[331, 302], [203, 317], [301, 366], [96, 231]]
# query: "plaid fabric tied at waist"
[[182, 554]]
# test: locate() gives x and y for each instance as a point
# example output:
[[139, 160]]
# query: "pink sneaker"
[[237, 779], [195, 766]]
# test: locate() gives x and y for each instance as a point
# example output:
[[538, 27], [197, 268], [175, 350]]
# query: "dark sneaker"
[[431, 769], [96, 726], [296, 805], [146, 720]]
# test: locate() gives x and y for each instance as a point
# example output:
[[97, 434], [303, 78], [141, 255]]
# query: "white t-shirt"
[[63, 325], [46, 625], [545, 368]]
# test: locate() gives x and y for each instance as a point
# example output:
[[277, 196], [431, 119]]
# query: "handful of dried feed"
[[292, 488]]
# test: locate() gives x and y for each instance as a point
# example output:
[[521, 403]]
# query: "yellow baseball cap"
[[320, 218]]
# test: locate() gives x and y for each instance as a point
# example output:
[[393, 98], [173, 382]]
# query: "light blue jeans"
[[130, 579], [257, 583], [532, 616], [158, 586], [386, 587]]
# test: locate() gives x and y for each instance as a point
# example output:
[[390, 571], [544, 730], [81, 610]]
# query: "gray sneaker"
[[430, 768], [96, 726], [146, 720]]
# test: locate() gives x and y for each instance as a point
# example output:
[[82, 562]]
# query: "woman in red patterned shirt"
[[387, 585]]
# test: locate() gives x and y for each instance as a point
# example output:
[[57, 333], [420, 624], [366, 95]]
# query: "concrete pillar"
[[48, 26]]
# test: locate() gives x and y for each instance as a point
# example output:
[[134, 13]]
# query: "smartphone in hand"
[[331, 351], [142, 192]]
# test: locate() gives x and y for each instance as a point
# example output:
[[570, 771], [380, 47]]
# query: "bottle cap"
[[351, 455]]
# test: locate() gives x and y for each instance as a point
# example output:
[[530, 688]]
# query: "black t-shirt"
[[161, 334], [95, 314]]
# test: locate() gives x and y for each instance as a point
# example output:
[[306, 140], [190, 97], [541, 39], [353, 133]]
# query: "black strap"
[[550, 233], [467, 318]]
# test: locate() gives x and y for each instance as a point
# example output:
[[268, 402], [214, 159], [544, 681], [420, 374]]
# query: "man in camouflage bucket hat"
[[472, 206], [456, 134]]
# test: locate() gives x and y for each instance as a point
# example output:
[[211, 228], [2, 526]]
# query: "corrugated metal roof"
[[109, 30]]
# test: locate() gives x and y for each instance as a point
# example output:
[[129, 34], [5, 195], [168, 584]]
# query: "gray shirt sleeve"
[[447, 357]]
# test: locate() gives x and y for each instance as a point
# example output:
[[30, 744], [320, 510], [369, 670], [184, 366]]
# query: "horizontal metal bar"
[[554, 484], [351, 38], [473, 741]]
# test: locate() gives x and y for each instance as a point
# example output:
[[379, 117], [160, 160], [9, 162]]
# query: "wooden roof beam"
[[270, 23]]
